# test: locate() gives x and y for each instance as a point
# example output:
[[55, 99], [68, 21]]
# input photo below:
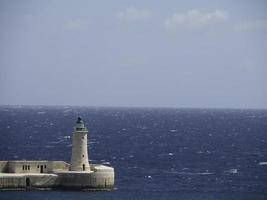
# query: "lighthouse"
[[79, 155], [18, 174]]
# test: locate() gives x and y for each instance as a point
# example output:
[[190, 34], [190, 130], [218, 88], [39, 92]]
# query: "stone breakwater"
[[79, 174], [56, 175]]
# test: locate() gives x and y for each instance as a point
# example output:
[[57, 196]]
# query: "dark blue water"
[[157, 153]]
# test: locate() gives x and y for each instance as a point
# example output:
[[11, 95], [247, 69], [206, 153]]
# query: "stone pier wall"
[[18, 181], [3, 166], [100, 177]]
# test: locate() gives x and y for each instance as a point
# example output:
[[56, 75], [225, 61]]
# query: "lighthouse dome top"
[[79, 125], [79, 120]]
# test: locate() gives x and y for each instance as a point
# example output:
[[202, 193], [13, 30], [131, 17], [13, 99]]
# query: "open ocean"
[[157, 153]]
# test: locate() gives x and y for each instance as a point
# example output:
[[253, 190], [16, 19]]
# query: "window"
[[83, 155], [82, 137], [25, 167], [45, 166], [37, 166]]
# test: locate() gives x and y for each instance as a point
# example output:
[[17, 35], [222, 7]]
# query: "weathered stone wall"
[[102, 180], [36, 166], [103, 176], [3, 166], [28, 166], [74, 180], [12, 182], [57, 175], [99, 179], [42, 180], [16, 181]]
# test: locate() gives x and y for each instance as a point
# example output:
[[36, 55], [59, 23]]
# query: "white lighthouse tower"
[[79, 156]]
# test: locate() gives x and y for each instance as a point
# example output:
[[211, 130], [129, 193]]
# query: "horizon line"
[[133, 107]]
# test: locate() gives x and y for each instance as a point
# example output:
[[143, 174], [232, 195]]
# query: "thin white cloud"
[[195, 19], [133, 14], [76, 25], [256, 25]]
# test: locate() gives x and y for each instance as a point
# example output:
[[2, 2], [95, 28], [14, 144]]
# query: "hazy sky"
[[170, 53]]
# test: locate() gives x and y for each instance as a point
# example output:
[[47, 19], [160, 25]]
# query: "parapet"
[[33, 166]]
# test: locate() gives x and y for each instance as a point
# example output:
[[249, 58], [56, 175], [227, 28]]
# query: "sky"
[[188, 53]]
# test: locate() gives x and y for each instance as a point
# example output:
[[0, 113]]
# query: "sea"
[[157, 153]]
